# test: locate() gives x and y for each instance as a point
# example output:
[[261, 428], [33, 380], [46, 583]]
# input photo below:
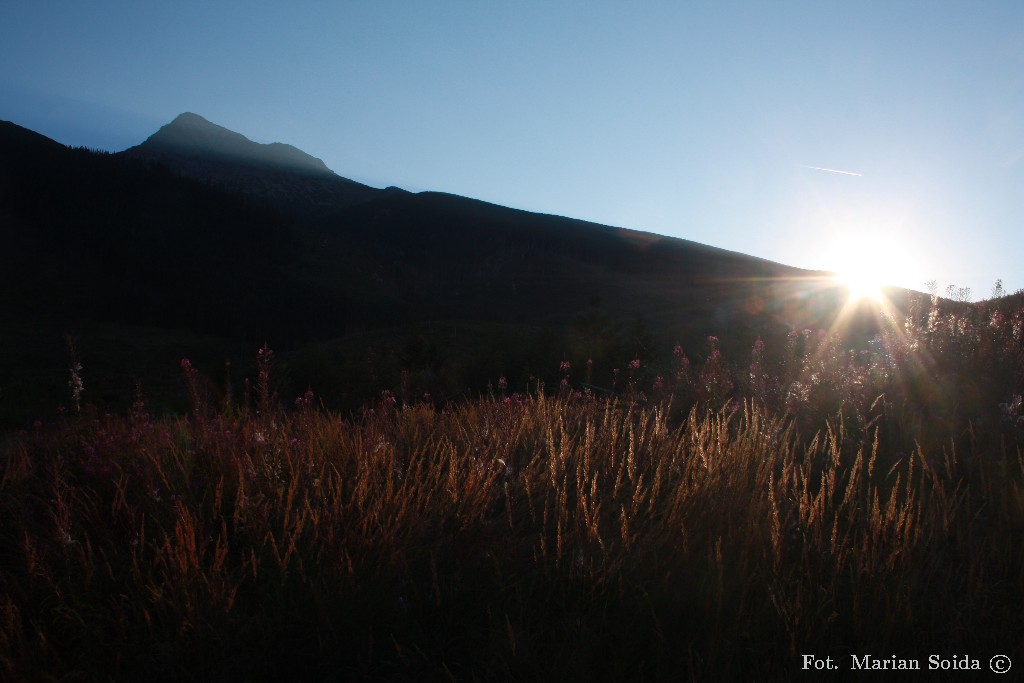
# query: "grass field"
[[717, 521]]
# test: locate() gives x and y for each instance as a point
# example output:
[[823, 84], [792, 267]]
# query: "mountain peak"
[[191, 135], [187, 117], [280, 173]]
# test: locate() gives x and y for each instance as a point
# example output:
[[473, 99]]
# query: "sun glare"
[[866, 264], [862, 284]]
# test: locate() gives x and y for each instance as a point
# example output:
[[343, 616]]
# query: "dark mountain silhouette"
[[191, 136], [200, 242], [18, 140], [281, 173]]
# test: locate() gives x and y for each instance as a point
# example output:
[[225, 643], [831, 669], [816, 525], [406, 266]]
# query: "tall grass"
[[537, 537]]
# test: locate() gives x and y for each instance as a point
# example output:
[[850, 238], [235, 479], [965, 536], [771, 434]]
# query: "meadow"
[[707, 518]]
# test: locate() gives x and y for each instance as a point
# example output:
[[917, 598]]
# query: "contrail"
[[833, 170]]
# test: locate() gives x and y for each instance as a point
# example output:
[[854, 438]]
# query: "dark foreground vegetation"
[[717, 521]]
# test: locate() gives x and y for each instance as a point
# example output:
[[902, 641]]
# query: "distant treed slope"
[[450, 256], [126, 239]]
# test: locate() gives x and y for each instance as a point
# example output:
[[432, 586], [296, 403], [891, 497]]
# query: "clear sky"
[[708, 121]]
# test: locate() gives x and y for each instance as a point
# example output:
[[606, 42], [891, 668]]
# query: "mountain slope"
[[198, 231], [192, 135], [15, 139], [278, 172], [98, 237]]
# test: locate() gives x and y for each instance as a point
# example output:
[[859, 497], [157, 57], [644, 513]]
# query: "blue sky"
[[697, 120]]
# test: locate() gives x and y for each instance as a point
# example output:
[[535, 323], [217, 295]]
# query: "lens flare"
[[866, 262], [863, 284]]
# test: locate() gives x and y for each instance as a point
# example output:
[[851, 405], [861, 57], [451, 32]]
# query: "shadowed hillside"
[[199, 233]]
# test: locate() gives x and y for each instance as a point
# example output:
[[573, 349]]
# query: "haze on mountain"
[[191, 136], [279, 172], [201, 242]]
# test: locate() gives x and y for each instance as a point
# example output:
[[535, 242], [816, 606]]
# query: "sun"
[[863, 284], [866, 263]]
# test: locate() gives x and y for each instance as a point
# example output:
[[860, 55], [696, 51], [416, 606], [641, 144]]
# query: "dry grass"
[[840, 504], [536, 538]]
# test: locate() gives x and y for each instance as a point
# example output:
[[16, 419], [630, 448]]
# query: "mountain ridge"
[[353, 285], [11, 135], [277, 172], [191, 134]]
